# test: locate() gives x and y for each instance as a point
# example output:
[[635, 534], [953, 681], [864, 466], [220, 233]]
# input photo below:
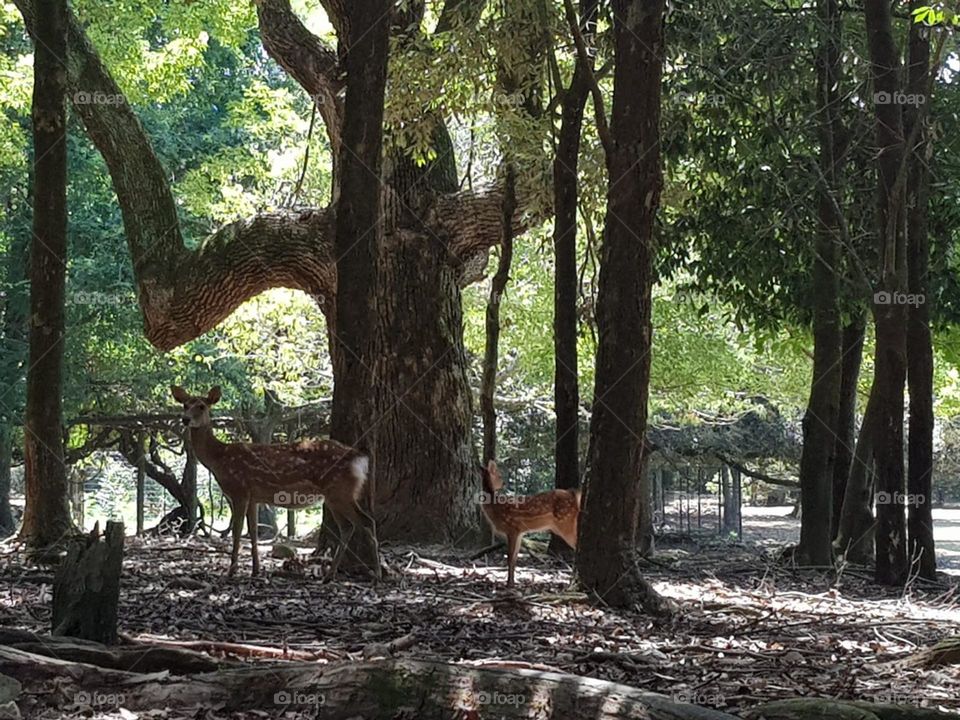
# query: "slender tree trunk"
[[13, 352], [565, 196], [889, 311], [141, 440], [614, 493], [820, 423], [7, 524], [852, 348], [47, 516], [855, 536], [189, 485], [498, 284], [919, 340]]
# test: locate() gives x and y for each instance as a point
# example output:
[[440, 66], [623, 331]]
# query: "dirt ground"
[[751, 629]]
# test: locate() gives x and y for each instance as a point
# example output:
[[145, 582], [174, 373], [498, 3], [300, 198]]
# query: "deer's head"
[[196, 409]]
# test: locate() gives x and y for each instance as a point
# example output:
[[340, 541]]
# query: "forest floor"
[[751, 629]]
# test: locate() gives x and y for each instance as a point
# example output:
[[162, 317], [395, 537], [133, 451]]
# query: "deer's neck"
[[206, 445]]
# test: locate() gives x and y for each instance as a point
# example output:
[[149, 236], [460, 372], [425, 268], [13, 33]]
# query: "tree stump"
[[86, 587]]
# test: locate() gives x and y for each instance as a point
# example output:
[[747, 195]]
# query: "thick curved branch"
[[306, 59], [185, 292]]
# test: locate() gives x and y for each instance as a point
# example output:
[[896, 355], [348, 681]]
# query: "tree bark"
[[498, 285], [47, 518], [921, 548], [820, 422], [889, 311], [852, 349], [13, 352], [358, 227], [855, 536], [374, 689], [565, 327], [610, 528], [86, 589]]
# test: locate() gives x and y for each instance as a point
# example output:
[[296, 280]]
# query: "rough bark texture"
[[376, 690], [852, 350], [498, 285], [919, 340], [47, 515], [565, 198], [889, 312], [820, 422], [425, 457], [358, 228], [855, 535], [86, 589], [614, 493]]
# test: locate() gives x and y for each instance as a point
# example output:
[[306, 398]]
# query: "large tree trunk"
[[821, 420], [852, 348], [889, 311], [47, 516], [427, 480], [565, 201], [358, 228], [919, 340], [614, 495], [364, 48]]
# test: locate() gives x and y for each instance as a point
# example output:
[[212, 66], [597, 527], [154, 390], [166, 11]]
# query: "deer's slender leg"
[[253, 522], [513, 549], [239, 508]]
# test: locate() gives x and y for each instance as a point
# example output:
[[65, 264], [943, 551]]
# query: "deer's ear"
[[179, 394], [495, 478], [214, 395]]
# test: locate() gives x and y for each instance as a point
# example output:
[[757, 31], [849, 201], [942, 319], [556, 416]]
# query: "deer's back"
[[556, 511], [293, 474]]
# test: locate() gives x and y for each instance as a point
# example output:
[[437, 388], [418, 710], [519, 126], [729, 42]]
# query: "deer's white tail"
[[360, 467]]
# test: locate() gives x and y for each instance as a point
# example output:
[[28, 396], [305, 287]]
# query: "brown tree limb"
[[184, 293]]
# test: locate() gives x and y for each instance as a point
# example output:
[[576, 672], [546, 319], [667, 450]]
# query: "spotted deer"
[[515, 515], [290, 475]]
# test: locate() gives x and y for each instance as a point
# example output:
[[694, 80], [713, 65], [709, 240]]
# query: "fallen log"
[[140, 657], [372, 690], [831, 709]]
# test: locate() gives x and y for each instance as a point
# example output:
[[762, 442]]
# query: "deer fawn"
[[291, 475], [514, 516]]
